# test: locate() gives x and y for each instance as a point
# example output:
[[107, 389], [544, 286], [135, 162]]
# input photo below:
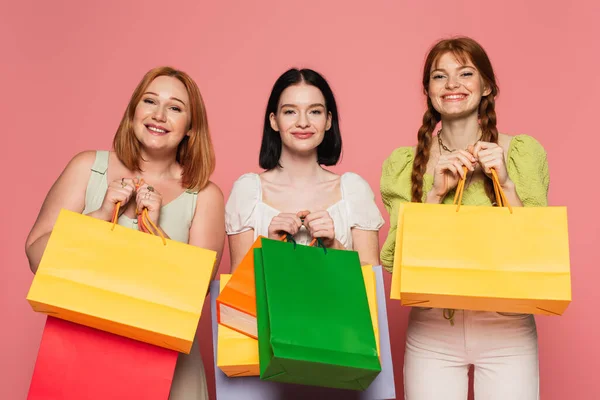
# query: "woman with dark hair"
[[460, 86], [295, 194]]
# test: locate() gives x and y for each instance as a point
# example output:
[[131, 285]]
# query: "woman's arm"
[[67, 192], [366, 243], [238, 247], [511, 194], [208, 226]]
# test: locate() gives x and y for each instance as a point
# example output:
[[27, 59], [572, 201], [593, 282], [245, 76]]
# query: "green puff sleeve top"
[[527, 168]]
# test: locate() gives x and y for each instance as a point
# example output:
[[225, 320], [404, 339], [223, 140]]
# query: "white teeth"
[[454, 96], [157, 130]]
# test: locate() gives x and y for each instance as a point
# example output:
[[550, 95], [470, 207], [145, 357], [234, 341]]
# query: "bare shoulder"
[[83, 160], [78, 169], [211, 193], [74, 178], [68, 192]]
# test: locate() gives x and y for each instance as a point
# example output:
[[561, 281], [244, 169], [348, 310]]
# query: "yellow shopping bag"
[[237, 353], [483, 258], [122, 281], [370, 285]]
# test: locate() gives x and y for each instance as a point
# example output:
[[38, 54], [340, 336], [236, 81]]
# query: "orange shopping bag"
[[507, 259], [236, 304], [122, 281]]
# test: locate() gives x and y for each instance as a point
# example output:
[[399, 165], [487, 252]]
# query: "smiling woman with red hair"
[[460, 86], [162, 161]]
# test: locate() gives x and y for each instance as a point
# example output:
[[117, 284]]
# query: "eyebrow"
[[460, 68], [172, 98], [312, 105]]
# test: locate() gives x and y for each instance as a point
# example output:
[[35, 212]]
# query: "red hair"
[[464, 49], [195, 153]]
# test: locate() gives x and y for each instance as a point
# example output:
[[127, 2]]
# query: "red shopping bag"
[[75, 362]]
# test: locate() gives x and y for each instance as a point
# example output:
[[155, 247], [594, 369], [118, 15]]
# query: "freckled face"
[[456, 89]]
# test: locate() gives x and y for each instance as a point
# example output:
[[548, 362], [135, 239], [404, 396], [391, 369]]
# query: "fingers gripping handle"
[[500, 195], [144, 220]]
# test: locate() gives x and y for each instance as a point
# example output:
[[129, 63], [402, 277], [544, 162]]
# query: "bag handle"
[[289, 238], [286, 237], [500, 195], [144, 220]]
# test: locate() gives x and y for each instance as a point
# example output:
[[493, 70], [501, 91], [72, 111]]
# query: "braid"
[[430, 120], [489, 133], [464, 49]]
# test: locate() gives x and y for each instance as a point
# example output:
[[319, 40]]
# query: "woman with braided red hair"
[[460, 85]]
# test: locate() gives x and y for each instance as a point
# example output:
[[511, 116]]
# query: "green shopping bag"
[[314, 323]]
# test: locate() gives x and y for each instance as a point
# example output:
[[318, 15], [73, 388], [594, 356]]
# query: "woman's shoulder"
[[247, 181], [84, 158], [83, 162], [77, 171], [398, 163], [521, 141], [210, 196], [355, 188], [400, 157], [97, 160], [211, 190], [522, 147], [239, 209], [527, 165], [247, 186], [352, 179]]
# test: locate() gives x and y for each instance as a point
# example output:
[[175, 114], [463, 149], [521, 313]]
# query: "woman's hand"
[[284, 223], [150, 198], [119, 190], [320, 225], [491, 155], [448, 172]]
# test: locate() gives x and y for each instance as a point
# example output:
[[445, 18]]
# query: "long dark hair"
[[330, 149]]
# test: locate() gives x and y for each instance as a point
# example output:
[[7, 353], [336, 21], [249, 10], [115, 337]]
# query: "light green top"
[[527, 168], [175, 217]]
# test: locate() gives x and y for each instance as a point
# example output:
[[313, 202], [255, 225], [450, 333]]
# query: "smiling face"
[[162, 117], [302, 118], [456, 88]]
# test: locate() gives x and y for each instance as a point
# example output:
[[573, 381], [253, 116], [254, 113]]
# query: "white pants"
[[502, 348]]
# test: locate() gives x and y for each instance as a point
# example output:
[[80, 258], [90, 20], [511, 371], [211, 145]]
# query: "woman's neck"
[[458, 134], [155, 165], [298, 169]]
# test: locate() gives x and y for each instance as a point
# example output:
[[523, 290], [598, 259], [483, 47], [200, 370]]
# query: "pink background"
[[68, 69]]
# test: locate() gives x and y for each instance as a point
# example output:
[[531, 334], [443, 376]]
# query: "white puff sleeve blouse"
[[245, 209]]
